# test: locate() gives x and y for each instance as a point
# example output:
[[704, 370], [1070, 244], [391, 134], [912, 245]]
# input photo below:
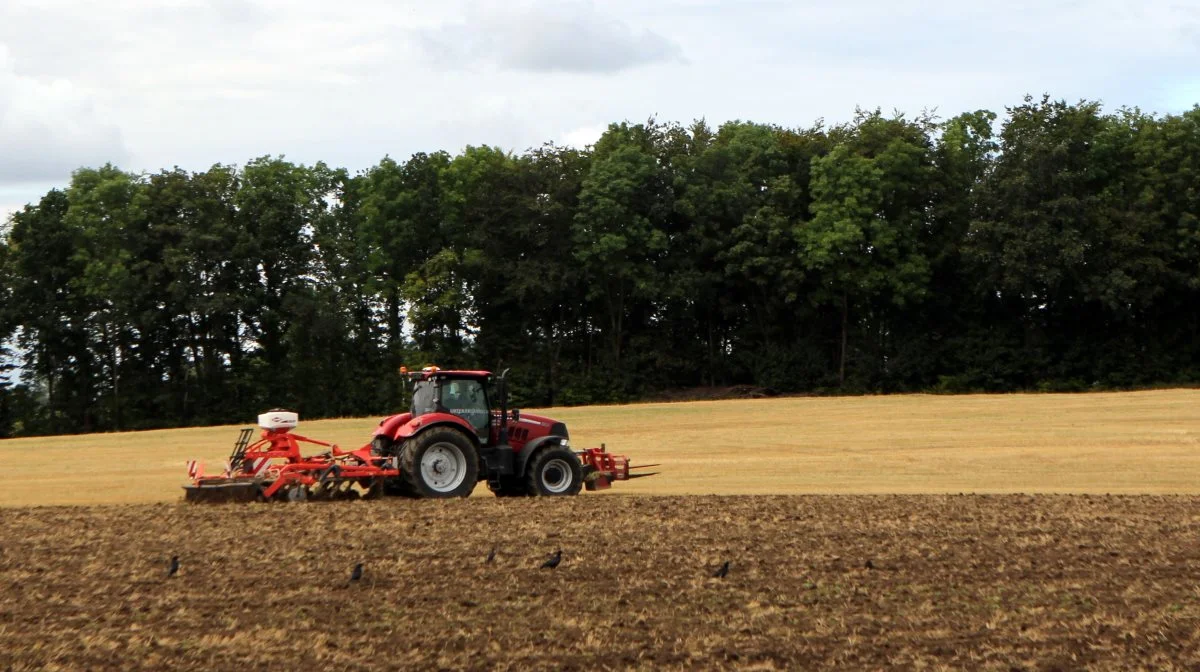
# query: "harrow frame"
[[273, 468]]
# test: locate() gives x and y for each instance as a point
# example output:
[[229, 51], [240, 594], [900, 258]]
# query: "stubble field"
[[821, 575], [1140, 442]]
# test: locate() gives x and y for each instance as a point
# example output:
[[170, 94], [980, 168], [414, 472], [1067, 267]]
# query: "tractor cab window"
[[424, 398], [467, 400]]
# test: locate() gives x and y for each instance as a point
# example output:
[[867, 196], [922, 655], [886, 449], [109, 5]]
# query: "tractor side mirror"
[[516, 415]]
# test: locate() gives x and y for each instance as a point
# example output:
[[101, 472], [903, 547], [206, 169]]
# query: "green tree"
[[1057, 243], [276, 203], [212, 290], [619, 228], [341, 329], [49, 310], [754, 191], [400, 210], [870, 198]]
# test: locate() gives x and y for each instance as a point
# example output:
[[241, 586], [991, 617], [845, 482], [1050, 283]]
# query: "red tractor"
[[458, 432]]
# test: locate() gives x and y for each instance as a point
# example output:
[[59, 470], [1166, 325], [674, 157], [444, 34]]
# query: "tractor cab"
[[459, 393]]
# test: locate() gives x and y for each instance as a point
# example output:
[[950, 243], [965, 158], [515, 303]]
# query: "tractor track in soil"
[[978, 582]]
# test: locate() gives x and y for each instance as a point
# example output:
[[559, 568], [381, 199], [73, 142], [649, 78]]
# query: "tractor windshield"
[[424, 398]]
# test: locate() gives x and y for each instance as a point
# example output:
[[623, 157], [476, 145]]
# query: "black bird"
[[869, 564], [356, 574], [491, 555], [722, 571], [553, 561], [174, 568]]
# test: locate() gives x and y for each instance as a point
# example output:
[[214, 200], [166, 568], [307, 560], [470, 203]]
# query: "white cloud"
[[583, 136], [50, 127], [6, 211], [156, 83]]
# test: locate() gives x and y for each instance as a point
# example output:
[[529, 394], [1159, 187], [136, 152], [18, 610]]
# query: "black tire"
[[398, 487], [393, 487], [376, 490], [381, 445], [554, 472], [459, 462], [510, 486]]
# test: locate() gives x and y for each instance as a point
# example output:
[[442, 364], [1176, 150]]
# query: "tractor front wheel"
[[440, 462], [554, 472]]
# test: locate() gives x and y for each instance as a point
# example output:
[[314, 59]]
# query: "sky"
[[153, 84]]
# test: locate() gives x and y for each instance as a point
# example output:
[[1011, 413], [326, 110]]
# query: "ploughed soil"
[[975, 582]]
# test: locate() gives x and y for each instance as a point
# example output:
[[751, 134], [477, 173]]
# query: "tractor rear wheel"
[[440, 462], [554, 472]]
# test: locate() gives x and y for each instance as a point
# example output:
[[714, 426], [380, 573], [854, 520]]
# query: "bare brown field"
[[962, 582], [1134, 442]]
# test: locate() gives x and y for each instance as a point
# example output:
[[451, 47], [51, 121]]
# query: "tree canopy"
[[1054, 247]]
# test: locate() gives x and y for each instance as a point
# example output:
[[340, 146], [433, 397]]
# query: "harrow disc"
[[295, 493]]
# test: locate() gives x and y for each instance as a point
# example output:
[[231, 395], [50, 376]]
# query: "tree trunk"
[[845, 329], [712, 355], [616, 313], [393, 320], [552, 365]]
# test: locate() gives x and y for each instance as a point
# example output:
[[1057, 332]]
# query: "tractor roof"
[[432, 371]]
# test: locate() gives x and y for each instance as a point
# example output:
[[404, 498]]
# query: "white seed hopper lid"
[[278, 420]]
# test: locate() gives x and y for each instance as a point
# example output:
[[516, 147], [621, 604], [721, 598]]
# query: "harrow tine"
[[332, 472], [239, 449]]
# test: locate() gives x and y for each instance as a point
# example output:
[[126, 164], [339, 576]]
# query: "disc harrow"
[[274, 469]]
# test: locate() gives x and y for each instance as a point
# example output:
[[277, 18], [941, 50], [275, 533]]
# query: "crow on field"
[[553, 561], [491, 555], [356, 574], [174, 568], [720, 573], [869, 564]]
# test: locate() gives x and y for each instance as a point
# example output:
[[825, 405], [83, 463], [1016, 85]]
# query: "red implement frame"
[[602, 468], [274, 463]]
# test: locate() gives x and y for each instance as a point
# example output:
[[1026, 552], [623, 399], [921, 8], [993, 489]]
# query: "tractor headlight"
[[566, 443]]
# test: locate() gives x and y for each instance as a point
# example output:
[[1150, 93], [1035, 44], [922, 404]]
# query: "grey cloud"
[[40, 153], [546, 37]]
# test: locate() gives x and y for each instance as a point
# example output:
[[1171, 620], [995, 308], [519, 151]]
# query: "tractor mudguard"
[[415, 425], [392, 424], [531, 448]]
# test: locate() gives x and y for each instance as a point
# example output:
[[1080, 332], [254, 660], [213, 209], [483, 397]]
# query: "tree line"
[[1056, 248]]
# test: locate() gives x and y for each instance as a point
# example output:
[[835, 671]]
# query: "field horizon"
[[1143, 442]]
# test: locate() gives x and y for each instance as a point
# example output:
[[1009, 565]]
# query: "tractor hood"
[[540, 424], [530, 426]]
